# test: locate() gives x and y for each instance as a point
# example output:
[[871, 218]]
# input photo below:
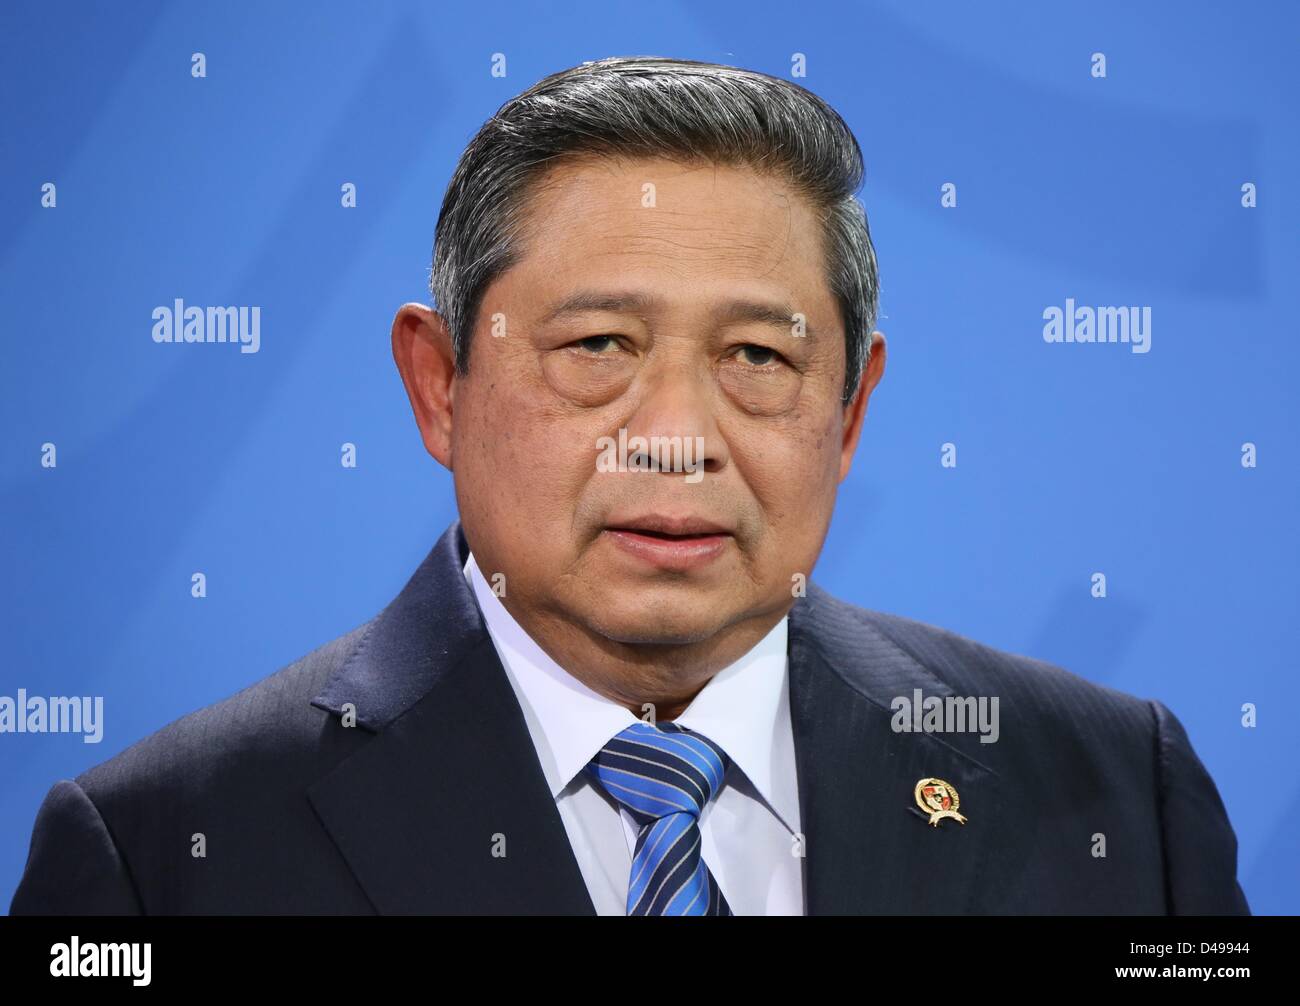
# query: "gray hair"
[[660, 107]]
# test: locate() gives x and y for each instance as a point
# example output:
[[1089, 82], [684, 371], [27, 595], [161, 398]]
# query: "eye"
[[597, 345], [759, 356]]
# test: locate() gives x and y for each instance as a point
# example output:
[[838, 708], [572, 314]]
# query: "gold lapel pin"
[[939, 799]]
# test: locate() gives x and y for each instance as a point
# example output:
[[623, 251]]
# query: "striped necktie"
[[665, 775]]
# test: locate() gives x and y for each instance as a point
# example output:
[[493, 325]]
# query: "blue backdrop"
[[1073, 459]]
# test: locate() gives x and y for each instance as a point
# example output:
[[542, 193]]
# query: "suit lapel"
[[445, 809], [868, 849]]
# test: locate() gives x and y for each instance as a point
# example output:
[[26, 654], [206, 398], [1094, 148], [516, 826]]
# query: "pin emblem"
[[939, 800]]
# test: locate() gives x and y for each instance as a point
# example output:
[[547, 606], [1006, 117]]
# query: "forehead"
[[664, 220]]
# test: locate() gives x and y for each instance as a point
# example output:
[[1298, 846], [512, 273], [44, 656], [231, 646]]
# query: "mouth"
[[674, 544]]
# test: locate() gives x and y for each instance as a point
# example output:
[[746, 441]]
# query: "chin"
[[648, 620]]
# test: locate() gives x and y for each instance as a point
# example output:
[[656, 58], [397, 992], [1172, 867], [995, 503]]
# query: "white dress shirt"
[[747, 831]]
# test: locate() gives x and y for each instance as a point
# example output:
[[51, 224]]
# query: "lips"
[[676, 544], [669, 527]]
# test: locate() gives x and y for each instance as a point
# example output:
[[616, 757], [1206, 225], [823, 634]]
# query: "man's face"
[[683, 285]]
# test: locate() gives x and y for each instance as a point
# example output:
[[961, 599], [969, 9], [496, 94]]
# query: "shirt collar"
[[743, 708]]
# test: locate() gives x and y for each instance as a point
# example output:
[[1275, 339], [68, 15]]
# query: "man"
[[610, 687]]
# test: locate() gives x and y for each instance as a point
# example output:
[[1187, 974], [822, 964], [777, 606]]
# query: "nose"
[[675, 424]]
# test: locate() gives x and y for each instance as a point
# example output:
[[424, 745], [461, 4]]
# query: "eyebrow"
[[595, 300], [775, 313]]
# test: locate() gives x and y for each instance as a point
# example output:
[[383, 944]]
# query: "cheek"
[[792, 465], [524, 461], [491, 446]]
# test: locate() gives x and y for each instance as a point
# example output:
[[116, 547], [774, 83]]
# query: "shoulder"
[[268, 733], [863, 641], [1043, 709], [133, 833], [1114, 763]]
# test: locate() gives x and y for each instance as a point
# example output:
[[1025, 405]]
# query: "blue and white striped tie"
[[665, 775]]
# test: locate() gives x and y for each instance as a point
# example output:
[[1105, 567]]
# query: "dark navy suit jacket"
[[302, 814]]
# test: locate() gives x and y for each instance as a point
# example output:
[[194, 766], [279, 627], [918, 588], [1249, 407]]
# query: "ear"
[[423, 351], [856, 411]]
